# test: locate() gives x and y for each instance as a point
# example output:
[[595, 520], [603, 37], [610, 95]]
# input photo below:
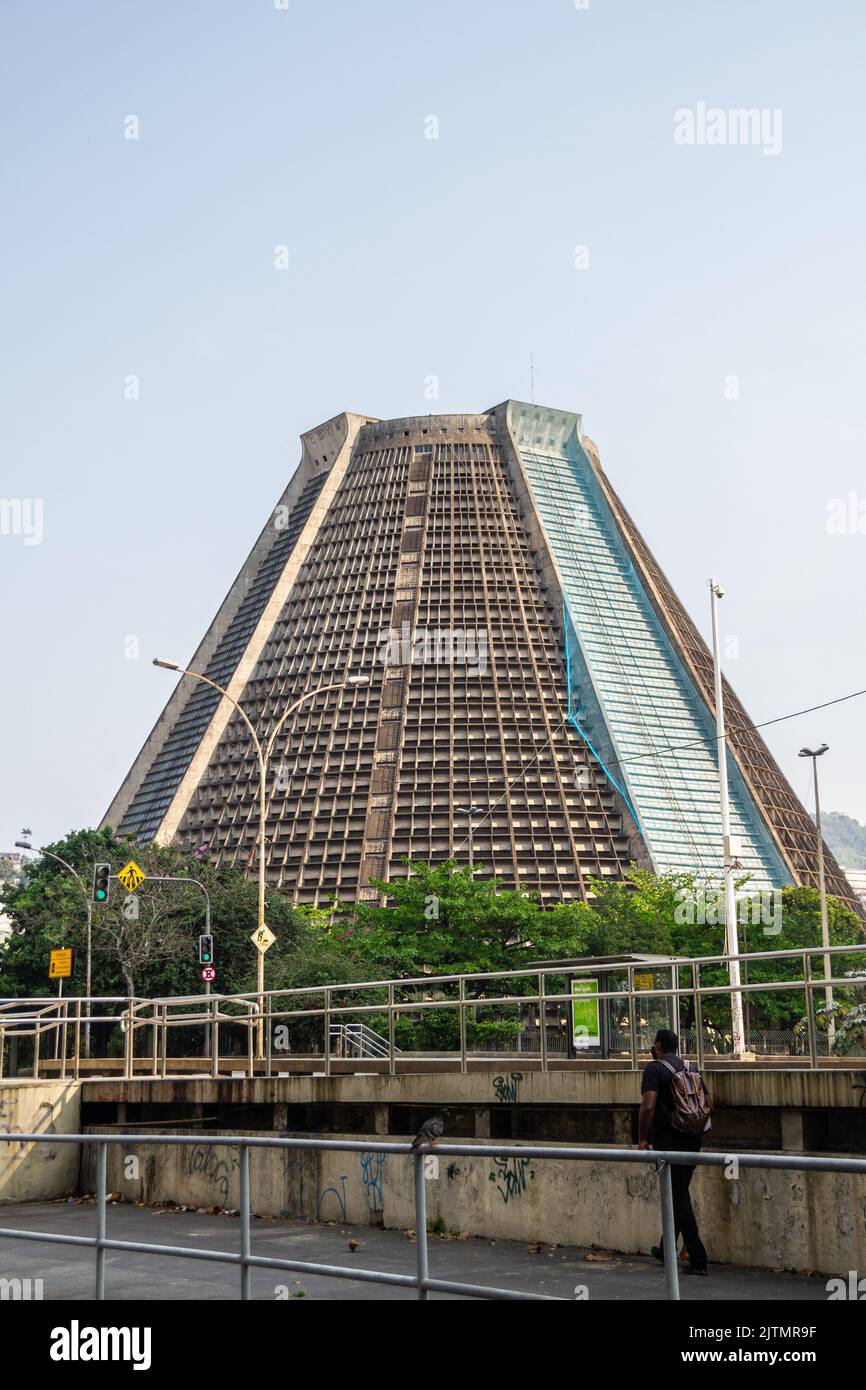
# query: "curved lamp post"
[[263, 754]]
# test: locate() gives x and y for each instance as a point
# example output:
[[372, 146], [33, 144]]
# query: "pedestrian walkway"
[[67, 1272]]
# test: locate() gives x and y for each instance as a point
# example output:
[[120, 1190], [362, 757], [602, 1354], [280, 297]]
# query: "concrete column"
[[622, 1127], [482, 1122], [281, 1115], [792, 1131], [380, 1119]]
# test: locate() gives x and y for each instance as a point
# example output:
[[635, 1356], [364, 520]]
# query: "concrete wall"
[[38, 1172], [591, 1084], [772, 1219]]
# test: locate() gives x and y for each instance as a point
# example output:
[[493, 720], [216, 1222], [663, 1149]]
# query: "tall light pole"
[[732, 947], [815, 754], [25, 844], [263, 754], [470, 811]]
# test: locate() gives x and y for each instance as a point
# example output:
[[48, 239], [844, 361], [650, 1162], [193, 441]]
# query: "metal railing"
[[357, 1040], [62, 1021], [421, 1281]]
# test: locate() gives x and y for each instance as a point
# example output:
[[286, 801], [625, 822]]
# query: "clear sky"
[[711, 333]]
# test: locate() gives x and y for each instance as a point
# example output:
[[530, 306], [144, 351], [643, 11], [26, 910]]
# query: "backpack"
[[692, 1104]]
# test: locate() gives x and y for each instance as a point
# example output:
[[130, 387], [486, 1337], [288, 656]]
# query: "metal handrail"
[[36, 1016], [362, 1037], [421, 1281]]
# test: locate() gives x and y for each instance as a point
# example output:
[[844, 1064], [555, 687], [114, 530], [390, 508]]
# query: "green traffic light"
[[101, 894]]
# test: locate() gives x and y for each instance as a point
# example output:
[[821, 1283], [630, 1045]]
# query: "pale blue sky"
[[411, 257]]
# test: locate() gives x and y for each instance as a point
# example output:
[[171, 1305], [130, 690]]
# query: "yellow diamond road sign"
[[263, 937], [131, 876]]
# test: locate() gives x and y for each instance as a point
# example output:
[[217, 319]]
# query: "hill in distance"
[[846, 838]]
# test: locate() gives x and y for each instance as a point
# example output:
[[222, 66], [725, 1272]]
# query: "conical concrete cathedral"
[[523, 654]]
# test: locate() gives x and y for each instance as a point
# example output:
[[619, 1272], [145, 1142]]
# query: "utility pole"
[[815, 754], [732, 947], [470, 811], [24, 843]]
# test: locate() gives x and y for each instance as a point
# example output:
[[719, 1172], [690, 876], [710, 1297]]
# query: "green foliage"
[[158, 954], [439, 920]]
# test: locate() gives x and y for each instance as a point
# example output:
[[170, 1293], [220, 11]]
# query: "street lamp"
[[470, 811], [732, 946], [263, 755], [24, 843], [815, 754]]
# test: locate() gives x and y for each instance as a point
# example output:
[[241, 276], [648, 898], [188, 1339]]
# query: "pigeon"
[[431, 1130]]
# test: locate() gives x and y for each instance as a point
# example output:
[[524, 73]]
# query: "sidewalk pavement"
[[67, 1272]]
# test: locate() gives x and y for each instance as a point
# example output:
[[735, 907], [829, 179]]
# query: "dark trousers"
[[684, 1217]]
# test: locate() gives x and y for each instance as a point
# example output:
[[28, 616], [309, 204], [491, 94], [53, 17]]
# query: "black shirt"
[[658, 1078]]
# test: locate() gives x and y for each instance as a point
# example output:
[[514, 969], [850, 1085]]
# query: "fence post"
[[2, 1044], [669, 1239], [421, 1224], [462, 1011], [810, 1012], [632, 1016], [215, 1037], [77, 1054], [542, 1019], [164, 1041], [245, 1221], [63, 1031], [699, 1014], [154, 1027], [327, 1032], [128, 1050], [392, 1024], [36, 1035], [101, 1197]]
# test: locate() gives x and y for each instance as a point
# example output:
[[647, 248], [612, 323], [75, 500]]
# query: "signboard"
[[263, 937], [643, 981], [131, 876], [208, 974], [130, 907], [585, 1031], [60, 964]]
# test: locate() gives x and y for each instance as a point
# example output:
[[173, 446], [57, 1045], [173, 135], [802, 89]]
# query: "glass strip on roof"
[[639, 706]]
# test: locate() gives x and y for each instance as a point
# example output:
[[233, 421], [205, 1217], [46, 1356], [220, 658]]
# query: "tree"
[[158, 953]]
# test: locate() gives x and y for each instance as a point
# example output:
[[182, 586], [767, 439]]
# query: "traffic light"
[[101, 877], [205, 950]]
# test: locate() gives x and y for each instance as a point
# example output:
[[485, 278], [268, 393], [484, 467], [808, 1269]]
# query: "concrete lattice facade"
[[429, 554]]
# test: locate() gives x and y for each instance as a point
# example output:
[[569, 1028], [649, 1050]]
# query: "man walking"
[[656, 1130]]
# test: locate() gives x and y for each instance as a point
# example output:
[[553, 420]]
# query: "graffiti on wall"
[[506, 1089], [323, 1192], [510, 1176], [206, 1160], [372, 1173]]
